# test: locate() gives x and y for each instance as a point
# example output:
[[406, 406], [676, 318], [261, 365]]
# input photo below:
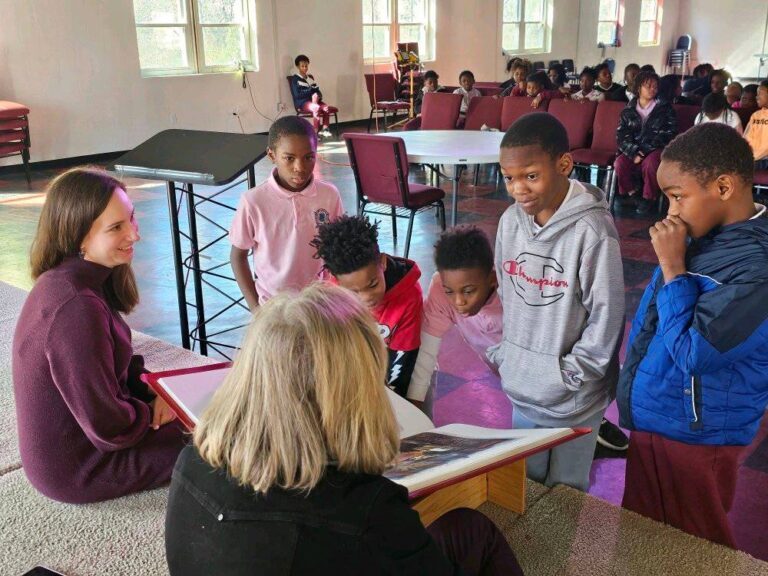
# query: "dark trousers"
[[628, 173], [690, 487], [470, 540]]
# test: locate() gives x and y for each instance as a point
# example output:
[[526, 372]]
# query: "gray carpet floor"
[[564, 532]]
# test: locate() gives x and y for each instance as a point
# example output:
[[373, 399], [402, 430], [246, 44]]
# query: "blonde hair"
[[306, 389], [73, 202]]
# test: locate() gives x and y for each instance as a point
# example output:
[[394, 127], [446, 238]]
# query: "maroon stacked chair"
[[380, 166], [604, 149], [577, 117], [382, 94], [484, 110], [440, 111], [686, 116], [513, 107], [14, 133]]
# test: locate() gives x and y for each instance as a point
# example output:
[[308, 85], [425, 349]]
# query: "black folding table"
[[183, 158]]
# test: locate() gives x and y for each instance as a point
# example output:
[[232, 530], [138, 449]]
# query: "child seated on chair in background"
[[694, 385], [558, 266], [748, 100], [462, 293], [278, 218], [733, 93], [520, 70], [587, 84], [756, 132], [714, 108], [431, 84], [387, 285], [539, 88], [307, 97], [467, 90]]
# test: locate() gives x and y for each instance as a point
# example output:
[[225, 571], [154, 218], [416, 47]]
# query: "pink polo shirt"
[[480, 331], [279, 224]]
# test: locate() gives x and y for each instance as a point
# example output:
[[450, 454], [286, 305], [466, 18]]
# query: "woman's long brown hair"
[[73, 202]]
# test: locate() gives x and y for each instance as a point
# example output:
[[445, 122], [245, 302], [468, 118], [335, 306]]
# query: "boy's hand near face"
[[668, 239]]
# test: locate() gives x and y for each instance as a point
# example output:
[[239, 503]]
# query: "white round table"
[[452, 147]]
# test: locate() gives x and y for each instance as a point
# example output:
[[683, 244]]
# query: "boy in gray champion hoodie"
[[562, 290]]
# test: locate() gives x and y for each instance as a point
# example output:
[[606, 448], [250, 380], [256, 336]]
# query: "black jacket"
[[632, 136], [348, 524]]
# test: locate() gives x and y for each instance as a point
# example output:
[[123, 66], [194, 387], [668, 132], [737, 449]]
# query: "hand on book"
[[161, 413]]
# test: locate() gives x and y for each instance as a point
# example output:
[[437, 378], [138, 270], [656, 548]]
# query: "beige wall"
[[75, 62]]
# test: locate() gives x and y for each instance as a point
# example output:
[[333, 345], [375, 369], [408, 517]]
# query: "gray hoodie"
[[562, 290]]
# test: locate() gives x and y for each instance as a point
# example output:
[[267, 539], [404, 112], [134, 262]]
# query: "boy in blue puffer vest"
[[695, 382]]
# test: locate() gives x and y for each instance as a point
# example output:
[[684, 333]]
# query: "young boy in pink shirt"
[[278, 218], [462, 293]]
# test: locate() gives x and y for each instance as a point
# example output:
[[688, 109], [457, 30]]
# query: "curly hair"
[[299, 59], [643, 77], [347, 244], [709, 150], [463, 247]]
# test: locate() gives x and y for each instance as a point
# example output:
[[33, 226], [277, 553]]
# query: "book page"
[[503, 444], [192, 392]]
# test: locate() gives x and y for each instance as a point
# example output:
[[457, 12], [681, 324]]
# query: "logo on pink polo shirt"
[[322, 216]]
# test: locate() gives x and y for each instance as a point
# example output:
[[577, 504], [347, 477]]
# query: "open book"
[[431, 458]]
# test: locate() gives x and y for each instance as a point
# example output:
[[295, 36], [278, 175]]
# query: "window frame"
[[194, 44], [618, 21], [546, 22], [426, 53], [659, 14]]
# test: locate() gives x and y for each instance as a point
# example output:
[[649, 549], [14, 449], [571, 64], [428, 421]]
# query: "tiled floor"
[[466, 391]]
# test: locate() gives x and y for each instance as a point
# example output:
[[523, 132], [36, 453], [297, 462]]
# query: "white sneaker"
[[325, 133]]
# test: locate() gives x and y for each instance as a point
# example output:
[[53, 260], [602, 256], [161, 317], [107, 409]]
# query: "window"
[[525, 26], [387, 22], [193, 36], [609, 22], [650, 22]]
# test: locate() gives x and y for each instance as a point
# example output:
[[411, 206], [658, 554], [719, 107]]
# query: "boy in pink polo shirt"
[[279, 217], [462, 293]]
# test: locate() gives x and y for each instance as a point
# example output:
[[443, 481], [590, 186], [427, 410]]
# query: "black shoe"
[[612, 437], [644, 207]]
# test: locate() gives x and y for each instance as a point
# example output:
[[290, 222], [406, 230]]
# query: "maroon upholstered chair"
[[577, 117], [604, 149], [515, 106], [483, 110], [488, 88], [760, 183], [14, 133], [440, 111], [382, 94], [686, 116], [380, 166]]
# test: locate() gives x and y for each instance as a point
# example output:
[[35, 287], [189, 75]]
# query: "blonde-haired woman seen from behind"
[[285, 474]]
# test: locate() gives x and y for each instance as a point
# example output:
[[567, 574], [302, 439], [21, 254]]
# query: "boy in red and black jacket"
[[388, 285]]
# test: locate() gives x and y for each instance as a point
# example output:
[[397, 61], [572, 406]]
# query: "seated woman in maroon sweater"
[[89, 430]]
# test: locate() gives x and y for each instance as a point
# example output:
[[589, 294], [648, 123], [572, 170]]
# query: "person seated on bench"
[[285, 475], [89, 429]]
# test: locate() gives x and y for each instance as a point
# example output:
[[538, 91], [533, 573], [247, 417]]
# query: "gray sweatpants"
[[570, 462]]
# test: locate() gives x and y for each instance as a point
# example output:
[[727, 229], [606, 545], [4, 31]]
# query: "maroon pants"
[[628, 174], [470, 540], [321, 113], [690, 487]]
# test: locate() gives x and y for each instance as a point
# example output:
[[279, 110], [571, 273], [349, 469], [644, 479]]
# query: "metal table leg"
[[455, 199], [178, 265], [196, 274]]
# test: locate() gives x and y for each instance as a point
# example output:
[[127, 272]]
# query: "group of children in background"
[[545, 309]]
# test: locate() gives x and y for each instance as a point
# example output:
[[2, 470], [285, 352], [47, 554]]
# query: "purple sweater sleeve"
[[81, 353]]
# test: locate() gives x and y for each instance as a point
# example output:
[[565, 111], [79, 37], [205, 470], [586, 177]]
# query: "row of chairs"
[[14, 133]]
